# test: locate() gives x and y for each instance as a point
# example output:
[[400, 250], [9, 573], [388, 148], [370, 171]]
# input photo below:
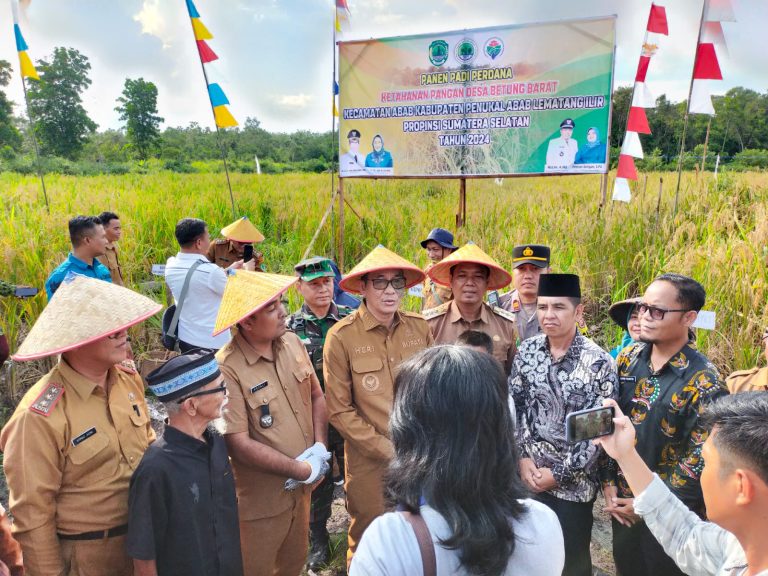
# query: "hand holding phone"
[[25, 291], [247, 252], [589, 424]]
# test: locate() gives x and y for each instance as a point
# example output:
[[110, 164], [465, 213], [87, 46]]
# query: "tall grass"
[[719, 235]]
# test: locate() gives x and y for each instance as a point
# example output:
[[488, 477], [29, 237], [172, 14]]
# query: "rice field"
[[719, 235]]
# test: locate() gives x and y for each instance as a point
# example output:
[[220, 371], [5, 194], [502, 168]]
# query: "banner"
[[506, 100]]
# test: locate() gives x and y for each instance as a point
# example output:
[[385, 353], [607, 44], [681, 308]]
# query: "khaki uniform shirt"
[[434, 294], [360, 361], [223, 253], [752, 380], [447, 324], [284, 385], [112, 262], [70, 449], [527, 324]]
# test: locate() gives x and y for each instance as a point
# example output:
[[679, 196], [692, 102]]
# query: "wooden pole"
[[706, 143], [333, 128], [603, 192], [461, 215], [658, 202], [320, 227], [341, 225]]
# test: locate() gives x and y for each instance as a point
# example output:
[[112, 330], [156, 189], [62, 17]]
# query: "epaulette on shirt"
[[127, 366], [46, 402], [430, 313], [220, 241], [748, 372], [503, 313]]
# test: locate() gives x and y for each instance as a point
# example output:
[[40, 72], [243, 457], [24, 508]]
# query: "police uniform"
[[112, 261], [223, 253], [361, 356], [752, 380], [526, 320], [70, 449], [447, 324], [312, 332], [271, 400]]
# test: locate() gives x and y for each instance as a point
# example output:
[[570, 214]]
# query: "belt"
[[97, 534]]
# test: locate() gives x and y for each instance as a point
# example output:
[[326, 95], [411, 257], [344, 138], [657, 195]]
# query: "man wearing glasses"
[[755, 379], [360, 360], [664, 384], [183, 491]]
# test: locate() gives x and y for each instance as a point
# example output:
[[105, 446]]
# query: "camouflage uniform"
[[312, 331]]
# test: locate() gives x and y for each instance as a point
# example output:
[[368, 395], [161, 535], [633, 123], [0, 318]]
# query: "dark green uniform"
[[312, 331]]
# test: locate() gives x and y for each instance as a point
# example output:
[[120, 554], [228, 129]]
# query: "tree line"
[[71, 142]]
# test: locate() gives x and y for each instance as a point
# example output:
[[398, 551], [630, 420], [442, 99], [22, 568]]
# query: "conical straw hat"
[[242, 230], [470, 253], [246, 293], [619, 311], [381, 259], [82, 311]]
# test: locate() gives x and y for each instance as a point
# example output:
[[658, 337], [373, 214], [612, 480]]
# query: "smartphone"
[[247, 252], [588, 424], [493, 298], [25, 291]]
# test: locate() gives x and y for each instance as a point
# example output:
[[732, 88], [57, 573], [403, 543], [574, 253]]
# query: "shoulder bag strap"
[[426, 547], [182, 296]]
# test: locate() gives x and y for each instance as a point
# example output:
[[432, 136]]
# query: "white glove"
[[317, 457]]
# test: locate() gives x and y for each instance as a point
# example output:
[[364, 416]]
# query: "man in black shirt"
[[182, 506], [664, 384]]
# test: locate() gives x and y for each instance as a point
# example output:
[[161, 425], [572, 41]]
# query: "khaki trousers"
[[103, 557], [277, 546], [365, 494]]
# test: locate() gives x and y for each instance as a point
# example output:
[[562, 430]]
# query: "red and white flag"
[[706, 66]]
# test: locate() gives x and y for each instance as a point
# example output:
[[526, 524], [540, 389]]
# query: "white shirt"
[[560, 154], [201, 305], [389, 545]]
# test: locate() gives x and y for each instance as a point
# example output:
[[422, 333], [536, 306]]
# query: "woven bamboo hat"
[[381, 259], [248, 292], [619, 311], [242, 230], [470, 253], [82, 311]]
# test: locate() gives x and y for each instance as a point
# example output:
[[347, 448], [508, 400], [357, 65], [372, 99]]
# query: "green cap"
[[315, 267]]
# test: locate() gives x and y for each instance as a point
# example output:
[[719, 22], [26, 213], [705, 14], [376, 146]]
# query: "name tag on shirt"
[[84, 436], [258, 387], [628, 380]]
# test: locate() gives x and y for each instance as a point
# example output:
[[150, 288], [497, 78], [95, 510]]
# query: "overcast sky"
[[276, 55]]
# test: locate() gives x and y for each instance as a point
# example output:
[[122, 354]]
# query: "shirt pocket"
[[266, 396], [303, 375], [367, 375], [91, 461], [139, 419]]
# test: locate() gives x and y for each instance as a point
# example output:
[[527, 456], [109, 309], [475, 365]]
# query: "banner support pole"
[[341, 225], [461, 214]]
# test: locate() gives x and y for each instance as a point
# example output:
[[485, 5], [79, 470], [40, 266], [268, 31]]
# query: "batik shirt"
[[545, 391], [664, 407]]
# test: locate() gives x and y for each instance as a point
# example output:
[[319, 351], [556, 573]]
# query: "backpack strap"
[[182, 297], [426, 547]]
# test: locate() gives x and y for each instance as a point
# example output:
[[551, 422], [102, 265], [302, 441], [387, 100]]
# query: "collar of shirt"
[[186, 442], [679, 363], [333, 313], [191, 257], [75, 262], [370, 321], [112, 246], [251, 355], [574, 350], [79, 383], [454, 315]]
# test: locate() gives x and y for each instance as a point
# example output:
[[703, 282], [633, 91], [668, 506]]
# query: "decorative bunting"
[[27, 68], [201, 32], [701, 98], [638, 121], [206, 54], [621, 191], [642, 97], [218, 98], [626, 168], [224, 118], [193, 13], [712, 32], [642, 68], [21, 45], [25, 62], [631, 145], [335, 110], [657, 20], [706, 66], [342, 14], [720, 11]]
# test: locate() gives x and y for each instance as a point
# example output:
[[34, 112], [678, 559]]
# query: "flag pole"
[[687, 111], [333, 132], [218, 135], [37, 146]]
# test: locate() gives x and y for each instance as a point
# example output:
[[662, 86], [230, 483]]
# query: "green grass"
[[720, 235]]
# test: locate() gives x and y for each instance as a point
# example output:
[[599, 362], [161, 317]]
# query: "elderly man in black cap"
[[529, 261], [438, 244], [353, 162], [554, 374], [182, 504]]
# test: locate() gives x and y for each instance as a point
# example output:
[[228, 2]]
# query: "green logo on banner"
[[494, 48], [438, 52], [466, 51]]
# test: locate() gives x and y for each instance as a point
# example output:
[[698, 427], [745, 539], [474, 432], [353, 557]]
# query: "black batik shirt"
[[183, 508], [664, 407], [545, 391]]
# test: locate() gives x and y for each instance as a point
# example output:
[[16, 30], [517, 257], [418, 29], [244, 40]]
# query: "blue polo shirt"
[[76, 266]]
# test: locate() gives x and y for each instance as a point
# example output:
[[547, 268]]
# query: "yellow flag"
[[27, 68], [201, 32], [224, 118], [335, 110], [338, 23]]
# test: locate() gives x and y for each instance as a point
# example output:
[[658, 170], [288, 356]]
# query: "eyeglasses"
[[222, 388], [657, 313], [398, 283]]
